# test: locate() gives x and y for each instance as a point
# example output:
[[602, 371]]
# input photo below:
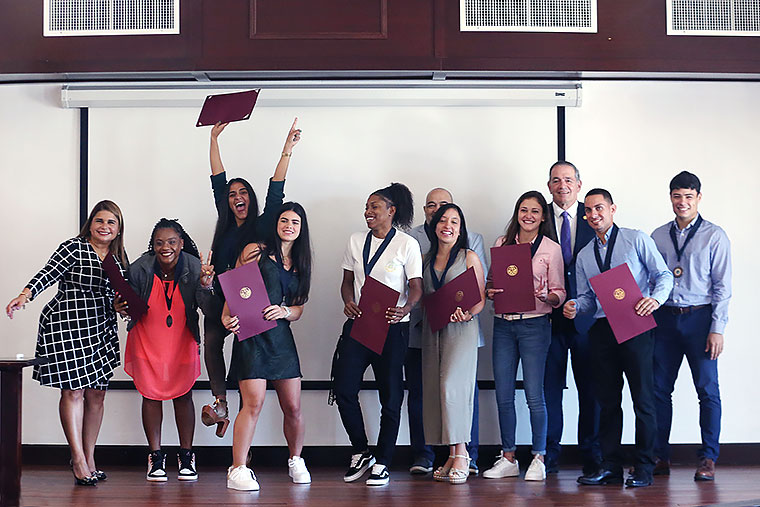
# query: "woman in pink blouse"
[[525, 337]]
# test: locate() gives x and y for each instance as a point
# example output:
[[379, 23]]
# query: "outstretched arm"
[[294, 135], [214, 155]]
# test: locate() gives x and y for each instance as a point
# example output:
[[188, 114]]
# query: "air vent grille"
[[714, 17], [110, 17], [527, 15]]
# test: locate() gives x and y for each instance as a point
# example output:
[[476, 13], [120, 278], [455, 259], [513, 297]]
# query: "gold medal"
[[512, 270], [678, 271], [619, 294]]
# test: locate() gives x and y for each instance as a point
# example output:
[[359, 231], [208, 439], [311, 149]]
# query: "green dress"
[[271, 355]]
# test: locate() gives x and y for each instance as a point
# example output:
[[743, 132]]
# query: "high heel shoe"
[[441, 474], [457, 476], [99, 475], [87, 481], [216, 413]]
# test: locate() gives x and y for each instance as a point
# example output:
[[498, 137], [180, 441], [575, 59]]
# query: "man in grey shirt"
[[423, 454]]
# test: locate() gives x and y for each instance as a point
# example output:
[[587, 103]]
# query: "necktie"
[[564, 238]]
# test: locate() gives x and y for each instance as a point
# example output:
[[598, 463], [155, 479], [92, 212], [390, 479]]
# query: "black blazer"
[[583, 234]]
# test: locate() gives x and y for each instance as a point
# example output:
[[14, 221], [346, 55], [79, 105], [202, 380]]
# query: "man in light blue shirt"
[[692, 321], [423, 454], [612, 247]]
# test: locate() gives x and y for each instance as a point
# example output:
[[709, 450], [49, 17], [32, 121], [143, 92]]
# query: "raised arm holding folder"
[[618, 294], [371, 328], [512, 271], [247, 297], [227, 107]]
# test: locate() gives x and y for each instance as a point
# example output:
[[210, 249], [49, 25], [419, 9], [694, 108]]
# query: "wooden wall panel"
[[24, 49], [325, 19]]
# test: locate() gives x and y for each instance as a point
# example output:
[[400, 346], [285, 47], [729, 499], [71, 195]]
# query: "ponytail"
[[398, 195]]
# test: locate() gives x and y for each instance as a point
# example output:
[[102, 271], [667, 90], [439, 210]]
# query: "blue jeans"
[[527, 340], [677, 336]]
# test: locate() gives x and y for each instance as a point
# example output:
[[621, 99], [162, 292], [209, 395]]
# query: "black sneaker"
[[379, 476], [360, 463], [156, 467], [186, 465]]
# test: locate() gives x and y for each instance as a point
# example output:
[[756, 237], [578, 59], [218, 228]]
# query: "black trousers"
[[635, 359], [351, 363]]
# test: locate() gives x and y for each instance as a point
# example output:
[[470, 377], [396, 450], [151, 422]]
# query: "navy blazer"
[[583, 234]]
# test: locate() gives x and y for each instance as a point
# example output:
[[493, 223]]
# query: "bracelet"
[[287, 311], [286, 154]]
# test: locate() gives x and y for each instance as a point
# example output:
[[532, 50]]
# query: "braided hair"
[[165, 223]]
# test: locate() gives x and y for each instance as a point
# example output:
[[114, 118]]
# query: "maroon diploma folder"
[[227, 107], [371, 329], [136, 307], [247, 297], [461, 292], [618, 294], [512, 270]]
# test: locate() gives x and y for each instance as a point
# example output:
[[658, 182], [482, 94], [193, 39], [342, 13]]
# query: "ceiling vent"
[[527, 16], [66, 18], [714, 17]]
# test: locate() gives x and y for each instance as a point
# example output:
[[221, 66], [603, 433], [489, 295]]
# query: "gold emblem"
[[376, 308], [678, 271], [619, 294], [459, 296], [512, 270], [245, 292]]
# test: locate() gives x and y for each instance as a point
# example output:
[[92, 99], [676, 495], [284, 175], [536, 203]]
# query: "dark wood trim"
[[84, 163], [736, 454], [256, 33], [306, 385]]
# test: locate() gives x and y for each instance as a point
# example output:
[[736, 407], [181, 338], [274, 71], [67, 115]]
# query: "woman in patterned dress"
[[77, 331]]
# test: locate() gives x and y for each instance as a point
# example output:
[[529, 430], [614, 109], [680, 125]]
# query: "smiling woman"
[[162, 353], [77, 331]]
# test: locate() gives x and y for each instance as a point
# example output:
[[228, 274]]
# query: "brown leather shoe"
[[705, 471], [661, 467]]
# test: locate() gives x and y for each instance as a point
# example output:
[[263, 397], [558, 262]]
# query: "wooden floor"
[[54, 486]]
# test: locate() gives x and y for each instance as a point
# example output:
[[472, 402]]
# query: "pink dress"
[[163, 360]]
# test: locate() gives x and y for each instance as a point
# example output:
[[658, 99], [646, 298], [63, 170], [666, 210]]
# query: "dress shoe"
[[600, 477], [552, 466], [590, 467], [705, 471], [639, 479], [661, 467]]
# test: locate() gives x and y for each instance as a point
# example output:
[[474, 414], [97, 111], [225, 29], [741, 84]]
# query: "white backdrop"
[[628, 137]]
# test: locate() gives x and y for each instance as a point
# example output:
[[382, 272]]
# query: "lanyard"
[[689, 237], [610, 245], [535, 245], [169, 299], [438, 283], [370, 263]]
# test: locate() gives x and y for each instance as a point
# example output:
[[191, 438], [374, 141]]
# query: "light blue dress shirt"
[[636, 249], [706, 263], [475, 242]]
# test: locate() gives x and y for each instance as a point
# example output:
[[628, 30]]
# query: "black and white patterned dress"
[[77, 330]]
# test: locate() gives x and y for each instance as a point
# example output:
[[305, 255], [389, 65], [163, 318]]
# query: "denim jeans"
[[527, 340], [677, 336]]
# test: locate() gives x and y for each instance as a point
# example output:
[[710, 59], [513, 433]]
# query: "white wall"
[[628, 137]]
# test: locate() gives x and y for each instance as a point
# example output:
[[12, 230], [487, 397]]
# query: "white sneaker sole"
[[486, 475], [378, 482], [240, 487], [187, 478], [156, 479], [301, 480]]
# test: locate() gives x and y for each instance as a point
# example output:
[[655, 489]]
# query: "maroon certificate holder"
[[618, 294], [136, 307], [462, 291], [227, 107], [246, 298], [371, 329], [512, 270]]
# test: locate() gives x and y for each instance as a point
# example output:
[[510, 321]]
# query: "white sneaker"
[[242, 478], [502, 468], [297, 470], [536, 470]]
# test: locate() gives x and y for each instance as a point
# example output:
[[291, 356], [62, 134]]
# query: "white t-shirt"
[[398, 264]]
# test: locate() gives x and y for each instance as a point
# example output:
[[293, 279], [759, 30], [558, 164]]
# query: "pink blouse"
[[548, 268]]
